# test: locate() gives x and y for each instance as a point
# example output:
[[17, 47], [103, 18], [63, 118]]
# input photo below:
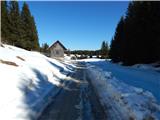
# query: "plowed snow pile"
[[122, 101]]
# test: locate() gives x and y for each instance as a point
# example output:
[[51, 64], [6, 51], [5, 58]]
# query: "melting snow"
[[25, 88], [122, 101]]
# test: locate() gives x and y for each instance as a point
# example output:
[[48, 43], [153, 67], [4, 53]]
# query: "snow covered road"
[[146, 79], [76, 101]]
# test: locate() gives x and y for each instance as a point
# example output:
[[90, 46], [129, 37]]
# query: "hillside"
[[28, 81]]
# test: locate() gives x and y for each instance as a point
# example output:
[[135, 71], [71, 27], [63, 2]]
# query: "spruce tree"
[[15, 24], [142, 32], [104, 49], [35, 44], [137, 37], [44, 48], [30, 35], [155, 28], [103, 45], [4, 22], [117, 43]]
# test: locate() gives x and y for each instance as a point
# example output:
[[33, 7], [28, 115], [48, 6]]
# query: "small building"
[[57, 50]]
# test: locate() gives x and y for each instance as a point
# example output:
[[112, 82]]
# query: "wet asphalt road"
[[76, 101]]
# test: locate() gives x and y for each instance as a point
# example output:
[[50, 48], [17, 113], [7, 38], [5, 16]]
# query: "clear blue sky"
[[78, 25]]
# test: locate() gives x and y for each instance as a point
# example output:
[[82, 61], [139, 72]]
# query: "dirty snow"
[[122, 101], [145, 76]]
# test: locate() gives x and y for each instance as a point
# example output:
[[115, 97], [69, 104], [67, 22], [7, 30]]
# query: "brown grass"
[[8, 63], [20, 58], [2, 45]]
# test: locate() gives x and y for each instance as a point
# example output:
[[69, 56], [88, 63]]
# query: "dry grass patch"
[[20, 58], [8, 63], [2, 45]]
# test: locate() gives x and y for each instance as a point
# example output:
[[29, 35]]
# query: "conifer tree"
[[44, 48], [155, 28], [35, 44], [26, 21], [137, 38], [30, 35], [14, 24], [4, 22], [116, 47], [142, 32], [104, 49], [103, 45]]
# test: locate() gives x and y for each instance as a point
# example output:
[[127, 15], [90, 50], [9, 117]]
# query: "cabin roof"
[[57, 42]]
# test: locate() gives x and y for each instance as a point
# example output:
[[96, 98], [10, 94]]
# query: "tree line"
[[85, 53], [100, 53], [137, 36], [18, 28]]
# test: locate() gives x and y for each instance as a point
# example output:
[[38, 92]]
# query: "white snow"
[[147, 79], [147, 67], [123, 101], [26, 88], [90, 60], [29, 79]]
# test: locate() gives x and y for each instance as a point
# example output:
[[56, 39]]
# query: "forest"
[[137, 36], [18, 28]]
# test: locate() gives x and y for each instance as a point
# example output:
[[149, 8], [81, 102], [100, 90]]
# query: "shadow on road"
[[76, 101]]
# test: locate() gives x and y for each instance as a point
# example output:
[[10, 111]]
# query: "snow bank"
[[149, 67], [91, 60], [121, 101], [27, 81]]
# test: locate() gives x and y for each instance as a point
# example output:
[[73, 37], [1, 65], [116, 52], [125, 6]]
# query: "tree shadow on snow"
[[61, 69], [36, 92]]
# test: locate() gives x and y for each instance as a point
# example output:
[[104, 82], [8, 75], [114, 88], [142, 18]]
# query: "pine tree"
[[35, 44], [30, 35], [4, 22], [155, 28], [142, 32], [104, 49], [103, 45], [14, 24], [137, 37], [116, 47], [26, 21], [44, 48]]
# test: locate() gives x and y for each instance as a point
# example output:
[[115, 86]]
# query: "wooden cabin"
[[57, 50]]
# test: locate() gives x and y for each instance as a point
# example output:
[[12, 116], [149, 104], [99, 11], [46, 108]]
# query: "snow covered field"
[[28, 80], [126, 100]]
